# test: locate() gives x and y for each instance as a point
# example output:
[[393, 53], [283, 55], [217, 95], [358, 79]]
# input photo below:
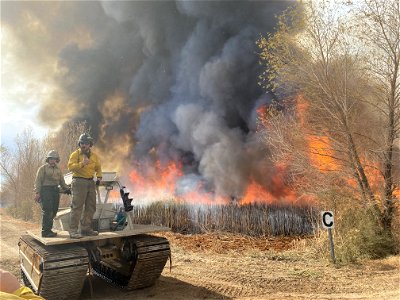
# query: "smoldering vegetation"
[[256, 220]]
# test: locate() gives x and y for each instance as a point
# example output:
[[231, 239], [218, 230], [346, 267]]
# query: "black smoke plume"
[[187, 72]]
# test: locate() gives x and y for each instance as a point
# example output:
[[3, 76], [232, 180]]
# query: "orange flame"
[[396, 193], [114, 196], [321, 154], [279, 191], [301, 108], [160, 183], [261, 112], [375, 179], [320, 150]]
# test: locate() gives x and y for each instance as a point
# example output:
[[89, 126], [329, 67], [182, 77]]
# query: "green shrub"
[[361, 236]]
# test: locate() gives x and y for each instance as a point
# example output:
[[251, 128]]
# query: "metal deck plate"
[[63, 236]]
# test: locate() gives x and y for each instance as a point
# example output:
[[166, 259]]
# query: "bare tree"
[[19, 170], [19, 167], [312, 54], [9, 188], [379, 31], [66, 139]]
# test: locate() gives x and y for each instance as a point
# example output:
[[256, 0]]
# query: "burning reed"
[[252, 219]]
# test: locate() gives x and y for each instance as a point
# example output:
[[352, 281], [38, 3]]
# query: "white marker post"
[[328, 223]]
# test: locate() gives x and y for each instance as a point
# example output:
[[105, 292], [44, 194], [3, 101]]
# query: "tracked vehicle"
[[123, 253]]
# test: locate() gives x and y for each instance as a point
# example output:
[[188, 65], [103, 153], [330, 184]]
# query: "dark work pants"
[[50, 200]]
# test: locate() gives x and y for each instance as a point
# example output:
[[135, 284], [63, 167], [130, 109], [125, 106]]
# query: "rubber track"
[[152, 254], [63, 268]]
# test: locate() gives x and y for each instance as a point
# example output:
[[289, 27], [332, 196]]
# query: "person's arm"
[[73, 163], [97, 168], [39, 179], [63, 185]]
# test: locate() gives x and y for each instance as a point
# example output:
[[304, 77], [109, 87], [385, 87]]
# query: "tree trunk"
[[388, 207], [362, 179]]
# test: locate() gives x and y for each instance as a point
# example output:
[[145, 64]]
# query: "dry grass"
[[253, 220]]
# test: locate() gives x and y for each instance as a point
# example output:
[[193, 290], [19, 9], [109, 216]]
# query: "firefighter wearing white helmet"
[[49, 180], [84, 165]]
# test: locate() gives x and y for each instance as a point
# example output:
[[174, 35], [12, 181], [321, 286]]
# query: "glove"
[[67, 192], [98, 181], [37, 198]]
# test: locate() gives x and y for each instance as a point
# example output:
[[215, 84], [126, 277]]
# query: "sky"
[[32, 35], [21, 94]]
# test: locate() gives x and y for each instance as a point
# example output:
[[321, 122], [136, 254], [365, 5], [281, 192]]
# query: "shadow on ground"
[[165, 288]]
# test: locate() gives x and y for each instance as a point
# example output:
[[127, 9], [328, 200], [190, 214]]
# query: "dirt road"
[[221, 266]]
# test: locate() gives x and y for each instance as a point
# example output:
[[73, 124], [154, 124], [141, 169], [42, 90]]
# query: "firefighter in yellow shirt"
[[10, 288], [84, 165]]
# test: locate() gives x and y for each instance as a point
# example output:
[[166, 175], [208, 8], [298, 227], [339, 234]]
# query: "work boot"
[[89, 232], [49, 234], [75, 235]]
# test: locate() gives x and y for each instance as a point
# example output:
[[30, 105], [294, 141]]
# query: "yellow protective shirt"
[[22, 293], [75, 165]]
